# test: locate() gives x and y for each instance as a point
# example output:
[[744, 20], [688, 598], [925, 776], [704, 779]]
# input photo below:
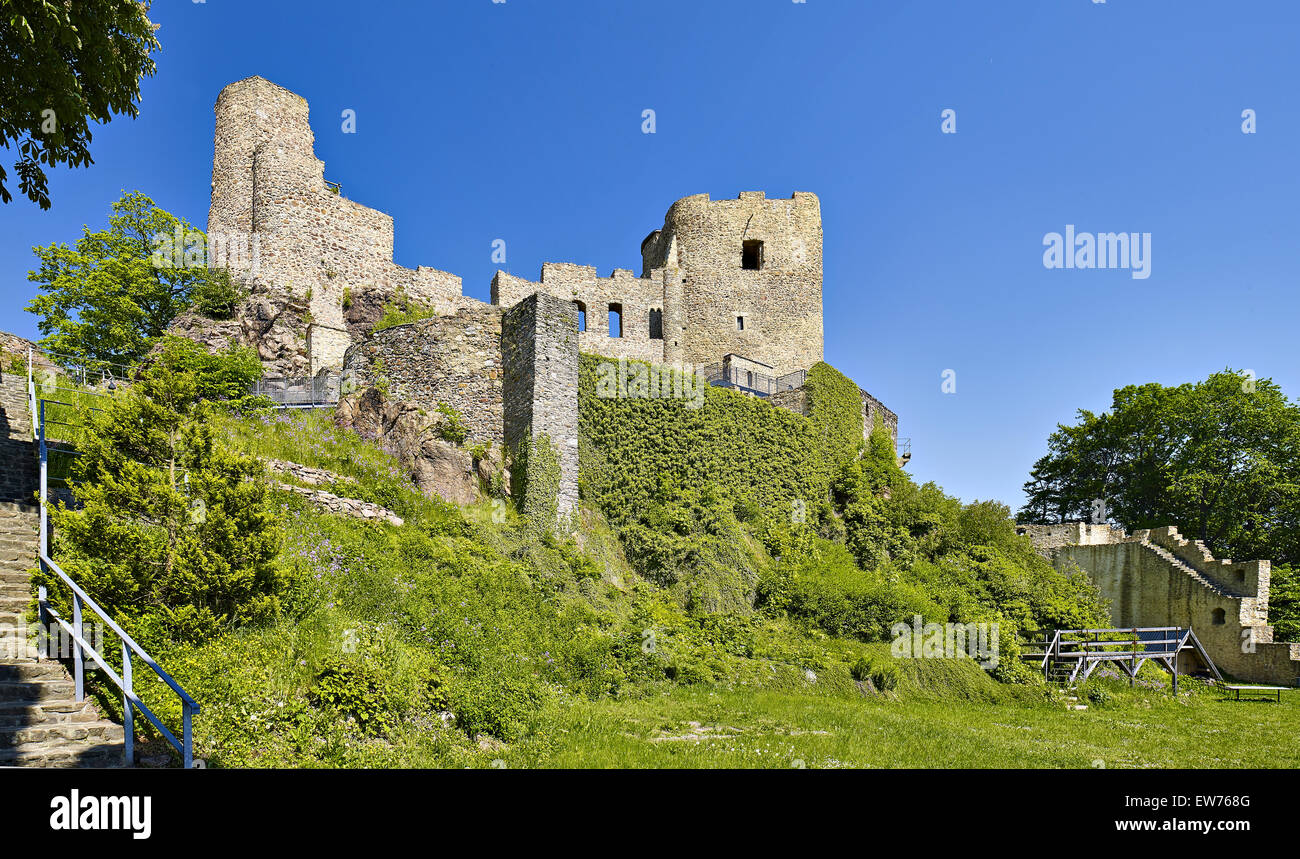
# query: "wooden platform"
[[1071, 655]]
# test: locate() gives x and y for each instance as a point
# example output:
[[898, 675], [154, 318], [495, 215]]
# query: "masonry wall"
[[781, 303], [454, 359], [539, 345], [313, 245], [579, 283], [1145, 590], [873, 408]]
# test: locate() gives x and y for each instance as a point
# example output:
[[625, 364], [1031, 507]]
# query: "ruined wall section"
[[579, 283], [539, 347], [873, 408], [780, 302], [1149, 582], [453, 359], [314, 247]]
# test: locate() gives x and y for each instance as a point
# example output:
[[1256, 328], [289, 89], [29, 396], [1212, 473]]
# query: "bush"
[[174, 534], [216, 296], [882, 673]]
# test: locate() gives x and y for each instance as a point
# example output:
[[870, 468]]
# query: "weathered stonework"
[[740, 278], [1158, 578], [454, 359], [312, 244], [331, 503], [796, 400], [694, 282], [539, 345]]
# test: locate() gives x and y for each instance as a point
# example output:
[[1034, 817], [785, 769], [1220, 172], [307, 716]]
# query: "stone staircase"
[[41, 722], [1178, 563]]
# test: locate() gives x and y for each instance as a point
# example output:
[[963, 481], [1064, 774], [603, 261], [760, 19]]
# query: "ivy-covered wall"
[[765, 458]]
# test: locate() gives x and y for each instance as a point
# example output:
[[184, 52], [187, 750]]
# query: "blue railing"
[[131, 703]]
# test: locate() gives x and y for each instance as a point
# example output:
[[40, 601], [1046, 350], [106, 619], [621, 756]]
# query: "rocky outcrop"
[[273, 324], [328, 501], [419, 439]]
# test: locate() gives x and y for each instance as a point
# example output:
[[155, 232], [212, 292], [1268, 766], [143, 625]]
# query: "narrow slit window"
[[582, 316], [751, 255], [616, 320], [740, 323]]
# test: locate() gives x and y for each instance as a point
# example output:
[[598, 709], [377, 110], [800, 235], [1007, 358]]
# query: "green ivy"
[[537, 472], [764, 458]]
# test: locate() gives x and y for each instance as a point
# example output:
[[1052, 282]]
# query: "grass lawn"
[[698, 727]]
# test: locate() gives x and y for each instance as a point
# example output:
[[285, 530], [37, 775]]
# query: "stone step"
[[18, 736], [16, 648], [25, 671], [65, 755], [48, 690], [15, 713]]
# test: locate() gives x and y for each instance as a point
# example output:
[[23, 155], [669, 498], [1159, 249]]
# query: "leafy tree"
[[109, 298], [219, 377], [173, 533], [1220, 459], [66, 64]]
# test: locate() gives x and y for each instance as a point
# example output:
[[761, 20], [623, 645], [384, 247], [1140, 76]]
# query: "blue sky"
[[522, 121]]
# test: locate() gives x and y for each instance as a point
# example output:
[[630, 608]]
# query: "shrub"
[[451, 428], [216, 296], [174, 534]]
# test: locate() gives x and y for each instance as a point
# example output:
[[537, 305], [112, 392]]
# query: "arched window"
[[582, 316], [616, 320], [656, 324]]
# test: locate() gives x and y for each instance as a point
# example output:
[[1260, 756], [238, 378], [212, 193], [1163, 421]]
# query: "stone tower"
[[748, 276], [320, 266]]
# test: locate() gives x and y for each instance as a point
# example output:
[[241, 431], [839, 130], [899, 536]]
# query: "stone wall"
[[1148, 585], [873, 408], [453, 359], [693, 276], [312, 245], [1048, 538], [539, 344], [637, 297], [780, 303], [796, 400]]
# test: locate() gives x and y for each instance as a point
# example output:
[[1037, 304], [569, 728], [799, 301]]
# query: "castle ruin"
[[1158, 578], [732, 288]]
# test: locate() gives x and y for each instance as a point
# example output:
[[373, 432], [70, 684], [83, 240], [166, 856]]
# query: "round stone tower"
[[750, 278]]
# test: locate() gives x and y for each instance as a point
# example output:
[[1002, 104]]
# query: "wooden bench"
[[1263, 690]]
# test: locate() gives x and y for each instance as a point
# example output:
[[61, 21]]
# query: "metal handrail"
[[130, 701]]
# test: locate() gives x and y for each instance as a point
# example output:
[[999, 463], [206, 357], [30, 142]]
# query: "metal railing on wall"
[[319, 392], [752, 381]]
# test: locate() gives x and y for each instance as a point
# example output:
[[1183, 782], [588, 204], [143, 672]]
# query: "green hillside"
[[726, 600]]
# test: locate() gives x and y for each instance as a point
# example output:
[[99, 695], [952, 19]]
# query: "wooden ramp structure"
[[1069, 656]]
